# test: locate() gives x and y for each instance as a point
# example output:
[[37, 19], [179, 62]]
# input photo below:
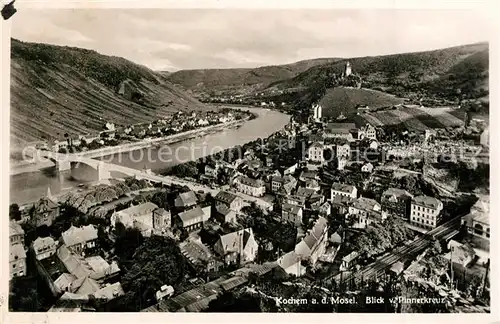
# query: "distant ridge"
[[59, 89]]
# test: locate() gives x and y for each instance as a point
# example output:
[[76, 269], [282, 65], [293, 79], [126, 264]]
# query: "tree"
[[14, 212], [156, 262], [230, 302]]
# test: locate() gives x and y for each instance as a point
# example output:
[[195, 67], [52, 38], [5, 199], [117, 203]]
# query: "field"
[[416, 118]]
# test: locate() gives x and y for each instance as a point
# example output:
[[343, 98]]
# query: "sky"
[[174, 39]]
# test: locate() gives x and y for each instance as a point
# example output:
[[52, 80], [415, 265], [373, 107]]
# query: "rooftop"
[[427, 201], [138, 210], [186, 199], [342, 187], [77, 235], [193, 216], [351, 256], [196, 252], [17, 252], [225, 197], [256, 183], [236, 241], [15, 229], [289, 208]]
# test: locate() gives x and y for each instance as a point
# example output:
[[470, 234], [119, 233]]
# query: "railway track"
[[403, 253]]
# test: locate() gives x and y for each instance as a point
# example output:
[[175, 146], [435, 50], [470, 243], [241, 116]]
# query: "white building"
[[315, 153], [425, 211], [343, 190], [317, 112]]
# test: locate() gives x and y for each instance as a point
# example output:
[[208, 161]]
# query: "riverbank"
[[19, 167], [30, 186]]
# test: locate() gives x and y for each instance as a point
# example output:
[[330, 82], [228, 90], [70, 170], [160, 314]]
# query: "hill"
[[240, 81], [57, 90], [344, 100], [453, 73]]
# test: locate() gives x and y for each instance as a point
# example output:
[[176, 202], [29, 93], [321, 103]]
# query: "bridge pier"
[[63, 166], [102, 172]]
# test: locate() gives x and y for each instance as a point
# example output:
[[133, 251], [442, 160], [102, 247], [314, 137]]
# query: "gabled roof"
[[427, 201], [340, 127], [256, 183], [15, 229], [88, 286], [110, 292], [17, 252], [289, 259], [186, 199], [365, 204], [193, 216], [342, 187], [225, 197], [44, 204], [289, 208], [77, 235], [236, 241], [42, 242], [396, 192], [351, 256], [138, 210], [64, 280], [75, 265]]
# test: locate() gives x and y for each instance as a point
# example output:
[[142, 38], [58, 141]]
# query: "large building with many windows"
[[425, 212]]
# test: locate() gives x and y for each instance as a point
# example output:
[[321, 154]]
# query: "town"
[[323, 207], [249, 161]]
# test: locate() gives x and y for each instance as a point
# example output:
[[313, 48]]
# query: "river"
[[28, 187]]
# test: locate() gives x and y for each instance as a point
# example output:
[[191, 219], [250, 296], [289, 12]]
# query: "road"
[[140, 174], [405, 252]]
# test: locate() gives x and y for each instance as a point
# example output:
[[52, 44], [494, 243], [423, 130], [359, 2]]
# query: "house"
[[292, 213], [231, 201], [291, 170], [462, 254], [44, 212], [43, 247], [345, 190], [296, 200], [484, 138], [80, 239], [368, 131], [291, 264], [251, 187], [397, 202], [340, 130], [193, 219], [313, 245], [199, 255], [17, 260], [312, 184], [425, 212], [162, 220], [367, 211], [341, 163], [325, 209], [237, 247], [164, 292], [477, 222], [16, 233], [212, 170], [186, 200], [348, 261], [343, 151], [146, 217], [367, 167], [315, 153], [224, 214]]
